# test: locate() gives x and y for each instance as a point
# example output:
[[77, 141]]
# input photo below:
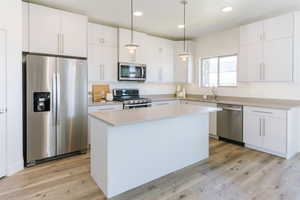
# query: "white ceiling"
[[161, 17]]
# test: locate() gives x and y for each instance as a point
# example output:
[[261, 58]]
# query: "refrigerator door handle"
[[58, 99], [54, 105]]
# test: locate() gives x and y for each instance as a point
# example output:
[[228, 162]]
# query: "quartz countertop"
[[258, 102], [124, 117]]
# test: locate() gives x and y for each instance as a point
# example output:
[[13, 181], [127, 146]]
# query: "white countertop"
[[123, 117]]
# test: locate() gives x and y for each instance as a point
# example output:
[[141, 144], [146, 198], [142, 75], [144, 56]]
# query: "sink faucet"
[[212, 91]]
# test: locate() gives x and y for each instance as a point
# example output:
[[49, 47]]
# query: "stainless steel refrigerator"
[[55, 107]]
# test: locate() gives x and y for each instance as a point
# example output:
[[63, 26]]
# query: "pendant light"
[[185, 54], [131, 46]]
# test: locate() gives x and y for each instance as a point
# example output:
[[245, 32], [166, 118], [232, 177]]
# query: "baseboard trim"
[[214, 136], [266, 151], [15, 167]]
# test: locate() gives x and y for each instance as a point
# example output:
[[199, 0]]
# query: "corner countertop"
[[124, 117], [257, 102]]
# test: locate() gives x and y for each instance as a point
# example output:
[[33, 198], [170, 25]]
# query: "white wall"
[[227, 43], [11, 21]]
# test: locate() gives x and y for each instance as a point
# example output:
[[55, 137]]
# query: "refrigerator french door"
[[56, 107]]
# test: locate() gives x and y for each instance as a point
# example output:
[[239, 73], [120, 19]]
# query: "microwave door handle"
[[143, 72]]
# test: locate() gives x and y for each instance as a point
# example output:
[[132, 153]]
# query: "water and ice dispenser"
[[41, 101]]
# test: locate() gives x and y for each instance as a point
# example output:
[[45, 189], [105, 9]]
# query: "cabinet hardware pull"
[[259, 126], [58, 43], [264, 127], [263, 112], [62, 43]]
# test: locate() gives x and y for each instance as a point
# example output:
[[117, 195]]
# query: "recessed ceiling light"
[[138, 13], [227, 9], [180, 26]]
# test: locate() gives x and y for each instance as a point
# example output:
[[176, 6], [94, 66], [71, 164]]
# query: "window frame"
[[201, 84]]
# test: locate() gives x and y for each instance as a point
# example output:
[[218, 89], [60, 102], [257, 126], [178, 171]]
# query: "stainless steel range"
[[131, 98]]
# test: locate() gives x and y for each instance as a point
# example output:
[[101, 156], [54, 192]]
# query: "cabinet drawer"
[[161, 103], [276, 113], [199, 103]]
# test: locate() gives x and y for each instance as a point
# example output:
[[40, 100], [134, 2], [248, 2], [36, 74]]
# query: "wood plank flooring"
[[232, 173]]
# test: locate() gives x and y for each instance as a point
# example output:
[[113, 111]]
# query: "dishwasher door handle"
[[232, 109]]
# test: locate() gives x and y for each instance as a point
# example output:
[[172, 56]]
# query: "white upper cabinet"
[[267, 50], [250, 59], [279, 27], [44, 30], [57, 32], [102, 53], [140, 56], [278, 60], [74, 34], [160, 68], [102, 35], [252, 33]]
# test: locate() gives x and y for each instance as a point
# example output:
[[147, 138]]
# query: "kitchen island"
[[132, 147]]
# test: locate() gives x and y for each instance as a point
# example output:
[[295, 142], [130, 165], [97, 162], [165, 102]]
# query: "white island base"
[[127, 156]]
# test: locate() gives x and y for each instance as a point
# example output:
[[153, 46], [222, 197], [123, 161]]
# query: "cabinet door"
[[2, 102], [153, 65], [74, 34], [253, 129], [102, 63], [250, 62], [25, 10], [124, 55], [141, 53], [102, 35], [275, 135], [279, 27], [94, 64], [167, 72], [278, 60], [44, 29], [109, 61], [251, 33]]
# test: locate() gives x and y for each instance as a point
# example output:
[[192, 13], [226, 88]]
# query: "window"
[[219, 71]]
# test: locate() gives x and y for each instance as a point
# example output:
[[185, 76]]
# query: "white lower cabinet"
[[271, 130], [101, 108], [212, 116]]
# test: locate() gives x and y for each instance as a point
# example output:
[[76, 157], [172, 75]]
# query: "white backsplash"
[[145, 88]]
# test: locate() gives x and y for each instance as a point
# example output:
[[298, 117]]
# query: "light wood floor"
[[232, 173]]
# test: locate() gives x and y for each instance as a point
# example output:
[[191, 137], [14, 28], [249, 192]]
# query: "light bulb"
[[132, 47], [131, 51]]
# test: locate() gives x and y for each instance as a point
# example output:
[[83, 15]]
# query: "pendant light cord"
[[131, 21]]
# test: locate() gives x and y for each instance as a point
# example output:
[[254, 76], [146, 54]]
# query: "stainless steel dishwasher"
[[230, 123]]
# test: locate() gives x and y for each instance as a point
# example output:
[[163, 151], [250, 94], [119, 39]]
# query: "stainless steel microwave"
[[131, 72]]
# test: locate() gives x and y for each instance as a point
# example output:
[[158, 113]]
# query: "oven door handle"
[[232, 109], [137, 105]]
